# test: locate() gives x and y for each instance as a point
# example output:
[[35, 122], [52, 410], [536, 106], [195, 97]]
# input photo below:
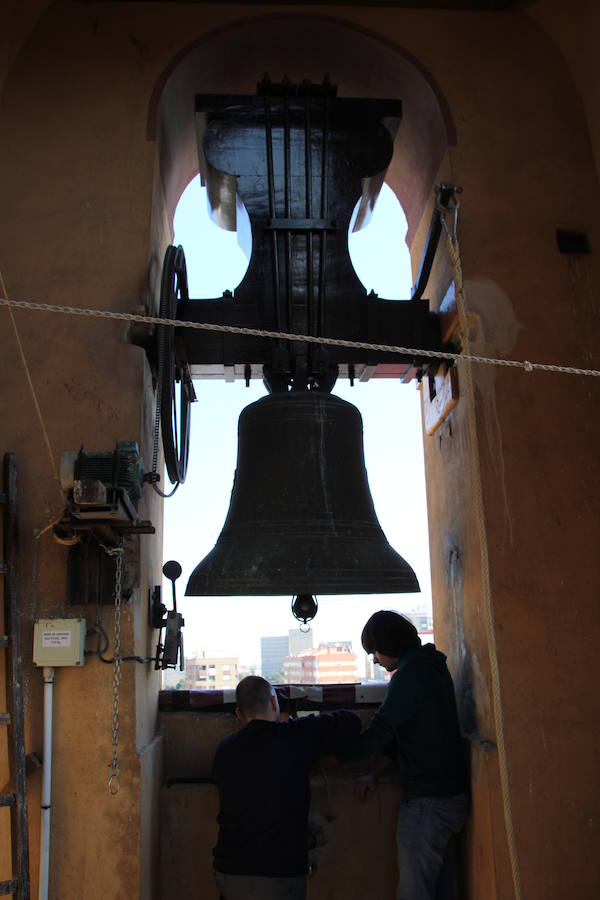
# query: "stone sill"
[[292, 698]]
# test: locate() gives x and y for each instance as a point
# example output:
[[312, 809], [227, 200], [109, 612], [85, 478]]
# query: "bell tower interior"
[[100, 113]]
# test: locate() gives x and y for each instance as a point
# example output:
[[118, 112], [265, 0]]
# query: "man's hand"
[[365, 786]]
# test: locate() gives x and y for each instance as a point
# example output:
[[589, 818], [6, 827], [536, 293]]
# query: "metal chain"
[[114, 781], [526, 365]]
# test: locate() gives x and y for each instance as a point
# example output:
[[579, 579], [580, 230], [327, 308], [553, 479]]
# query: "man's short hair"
[[389, 633], [253, 695]]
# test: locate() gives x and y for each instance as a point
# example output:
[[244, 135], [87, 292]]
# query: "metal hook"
[[452, 205]]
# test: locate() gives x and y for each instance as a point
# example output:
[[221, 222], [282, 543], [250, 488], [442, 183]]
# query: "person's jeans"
[[256, 887], [426, 826]]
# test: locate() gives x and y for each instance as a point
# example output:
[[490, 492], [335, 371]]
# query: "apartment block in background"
[[330, 663], [211, 672]]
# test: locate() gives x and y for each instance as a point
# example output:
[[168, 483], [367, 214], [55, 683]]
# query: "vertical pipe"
[[46, 784]]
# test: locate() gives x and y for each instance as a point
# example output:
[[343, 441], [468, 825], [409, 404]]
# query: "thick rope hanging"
[[302, 338], [5, 301], [465, 367]]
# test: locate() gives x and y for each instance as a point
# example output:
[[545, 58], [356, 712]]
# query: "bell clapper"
[[304, 608]]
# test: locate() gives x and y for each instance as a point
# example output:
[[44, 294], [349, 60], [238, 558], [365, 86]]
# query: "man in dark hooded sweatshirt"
[[417, 725]]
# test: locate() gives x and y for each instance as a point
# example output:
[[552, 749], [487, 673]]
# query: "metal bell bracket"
[[171, 651]]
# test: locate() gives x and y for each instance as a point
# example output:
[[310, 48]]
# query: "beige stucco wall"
[[83, 224]]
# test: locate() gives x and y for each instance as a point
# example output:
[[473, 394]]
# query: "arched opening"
[[301, 47], [378, 250], [278, 44], [234, 632], [216, 259]]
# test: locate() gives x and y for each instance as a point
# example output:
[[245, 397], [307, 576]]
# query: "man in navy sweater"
[[263, 776]]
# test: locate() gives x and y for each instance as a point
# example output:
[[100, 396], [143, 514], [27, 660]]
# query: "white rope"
[[6, 302], [302, 338]]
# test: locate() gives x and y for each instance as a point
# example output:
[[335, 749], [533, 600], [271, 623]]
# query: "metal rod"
[[287, 208], [324, 198], [271, 183], [286, 154], [431, 244], [308, 155], [310, 300], [275, 248], [296, 225]]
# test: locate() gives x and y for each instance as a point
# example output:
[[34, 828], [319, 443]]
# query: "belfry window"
[[228, 637]]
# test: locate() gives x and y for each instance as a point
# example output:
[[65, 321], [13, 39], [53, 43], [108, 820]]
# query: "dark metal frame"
[[294, 226], [446, 194]]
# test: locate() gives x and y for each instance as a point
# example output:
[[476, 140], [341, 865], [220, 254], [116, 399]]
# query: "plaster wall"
[[576, 31], [338, 819], [85, 220], [76, 188]]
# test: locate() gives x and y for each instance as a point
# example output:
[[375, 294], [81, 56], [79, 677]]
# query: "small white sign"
[[56, 638]]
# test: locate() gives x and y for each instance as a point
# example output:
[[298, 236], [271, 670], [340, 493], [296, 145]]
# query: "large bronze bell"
[[301, 518]]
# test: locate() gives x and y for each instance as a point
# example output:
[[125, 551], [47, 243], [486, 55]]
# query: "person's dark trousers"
[[448, 886], [256, 887], [425, 827]]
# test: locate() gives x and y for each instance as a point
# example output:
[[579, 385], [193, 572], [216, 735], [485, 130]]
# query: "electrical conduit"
[[46, 784]]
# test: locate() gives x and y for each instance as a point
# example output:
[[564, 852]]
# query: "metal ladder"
[[14, 718]]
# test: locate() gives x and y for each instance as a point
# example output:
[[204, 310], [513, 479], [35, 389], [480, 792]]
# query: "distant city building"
[[273, 651], [171, 678], [330, 663], [299, 641], [244, 670], [375, 672], [422, 621], [426, 636], [211, 672]]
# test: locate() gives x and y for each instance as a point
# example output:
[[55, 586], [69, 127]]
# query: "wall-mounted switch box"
[[59, 642]]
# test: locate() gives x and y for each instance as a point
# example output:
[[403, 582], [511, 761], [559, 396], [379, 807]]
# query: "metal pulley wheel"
[[175, 383]]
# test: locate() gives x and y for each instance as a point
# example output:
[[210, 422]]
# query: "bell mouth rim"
[[340, 588]]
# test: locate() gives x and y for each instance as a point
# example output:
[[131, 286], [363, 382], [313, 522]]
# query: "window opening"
[[216, 259], [378, 251], [225, 637]]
